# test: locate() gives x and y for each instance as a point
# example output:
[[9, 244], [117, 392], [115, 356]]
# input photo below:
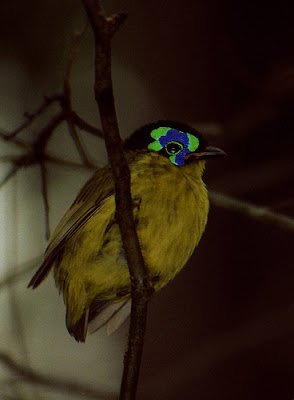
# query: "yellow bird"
[[166, 161]]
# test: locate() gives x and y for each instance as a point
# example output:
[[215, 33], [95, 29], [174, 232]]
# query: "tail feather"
[[113, 314], [41, 274], [53, 258], [99, 314], [119, 317], [50, 259], [79, 329]]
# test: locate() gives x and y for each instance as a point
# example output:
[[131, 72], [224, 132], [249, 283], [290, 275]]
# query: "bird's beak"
[[208, 152]]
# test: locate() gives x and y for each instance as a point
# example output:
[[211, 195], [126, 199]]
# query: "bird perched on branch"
[[166, 161]]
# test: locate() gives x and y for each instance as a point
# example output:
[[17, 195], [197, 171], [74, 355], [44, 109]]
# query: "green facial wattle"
[[177, 144]]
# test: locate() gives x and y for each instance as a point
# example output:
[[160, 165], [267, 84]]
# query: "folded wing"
[[87, 203]]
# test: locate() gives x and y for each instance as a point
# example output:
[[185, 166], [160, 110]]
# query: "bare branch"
[[75, 43], [15, 141], [10, 174], [36, 152], [45, 198], [32, 377], [48, 100], [103, 30], [44, 135], [5, 159], [85, 126], [258, 213], [70, 164], [282, 205], [77, 142], [115, 21]]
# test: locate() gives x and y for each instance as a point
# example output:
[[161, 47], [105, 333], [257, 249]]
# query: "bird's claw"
[[137, 201]]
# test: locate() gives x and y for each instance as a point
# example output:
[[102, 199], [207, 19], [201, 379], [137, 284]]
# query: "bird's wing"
[[88, 202]]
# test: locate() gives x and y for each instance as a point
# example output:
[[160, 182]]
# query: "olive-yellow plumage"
[[170, 212]]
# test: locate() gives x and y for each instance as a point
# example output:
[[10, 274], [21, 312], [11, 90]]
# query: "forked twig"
[[10, 174], [45, 198], [32, 116], [36, 152]]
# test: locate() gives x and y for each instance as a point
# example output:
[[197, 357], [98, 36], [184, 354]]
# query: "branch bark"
[[261, 214], [30, 376], [103, 29]]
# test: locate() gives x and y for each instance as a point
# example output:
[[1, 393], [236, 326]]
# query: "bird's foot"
[[137, 201]]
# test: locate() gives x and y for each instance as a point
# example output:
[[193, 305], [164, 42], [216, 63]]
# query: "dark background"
[[224, 328]]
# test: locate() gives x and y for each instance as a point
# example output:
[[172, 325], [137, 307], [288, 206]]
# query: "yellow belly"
[[170, 225], [170, 220]]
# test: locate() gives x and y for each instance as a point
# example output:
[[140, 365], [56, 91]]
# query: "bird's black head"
[[180, 143]]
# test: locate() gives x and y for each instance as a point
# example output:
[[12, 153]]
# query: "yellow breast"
[[170, 220], [172, 214]]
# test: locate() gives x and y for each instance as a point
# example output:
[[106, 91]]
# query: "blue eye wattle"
[[175, 143]]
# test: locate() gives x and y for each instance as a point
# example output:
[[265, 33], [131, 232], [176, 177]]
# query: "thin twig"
[[44, 135], [103, 30], [73, 52], [31, 117], [18, 337], [45, 198], [5, 159], [284, 204], [67, 106], [58, 385], [85, 126], [77, 142], [250, 210], [70, 164], [10, 174], [36, 152], [15, 141]]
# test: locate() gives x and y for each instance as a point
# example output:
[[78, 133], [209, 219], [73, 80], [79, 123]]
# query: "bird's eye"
[[174, 148]]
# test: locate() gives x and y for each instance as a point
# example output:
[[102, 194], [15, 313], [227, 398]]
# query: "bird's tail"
[[99, 314]]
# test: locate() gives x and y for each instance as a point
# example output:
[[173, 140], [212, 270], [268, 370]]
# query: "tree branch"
[[45, 198], [36, 152], [261, 214], [30, 376], [85, 126], [103, 30], [32, 116]]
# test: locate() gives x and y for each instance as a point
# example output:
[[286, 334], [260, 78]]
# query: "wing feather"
[[87, 203]]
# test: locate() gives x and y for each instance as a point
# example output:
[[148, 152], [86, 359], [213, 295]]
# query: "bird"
[[166, 161]]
